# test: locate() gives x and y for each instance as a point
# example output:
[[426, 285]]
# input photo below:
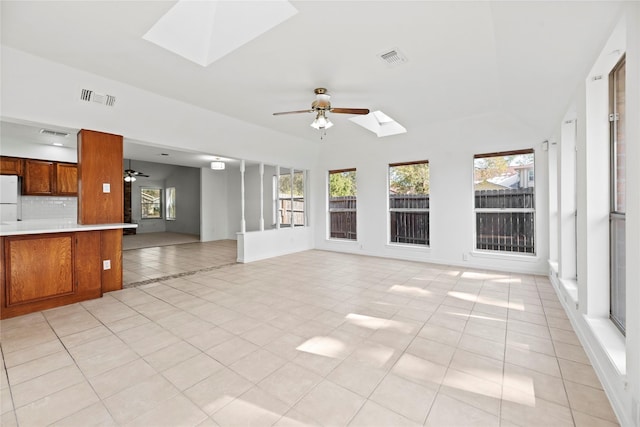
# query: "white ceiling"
[[519, 58]]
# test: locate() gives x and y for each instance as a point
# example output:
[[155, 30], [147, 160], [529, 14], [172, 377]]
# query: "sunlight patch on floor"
[[324, 346]]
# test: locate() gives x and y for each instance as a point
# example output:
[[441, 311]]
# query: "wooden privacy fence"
[[286, 212], [342, 217], [505, 219], [409, 219]]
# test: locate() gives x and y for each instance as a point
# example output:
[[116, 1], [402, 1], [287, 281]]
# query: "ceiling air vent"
[[393, 57], [54, 133], [101, 98]]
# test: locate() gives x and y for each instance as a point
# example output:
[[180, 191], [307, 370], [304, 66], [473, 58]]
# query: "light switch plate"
[[106, 264], [106, 187]]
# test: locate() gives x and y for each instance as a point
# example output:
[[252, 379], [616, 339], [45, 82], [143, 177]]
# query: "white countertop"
[[42, 226]]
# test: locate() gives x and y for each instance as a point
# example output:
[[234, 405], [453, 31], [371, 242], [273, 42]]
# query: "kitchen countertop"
[[43, 226]]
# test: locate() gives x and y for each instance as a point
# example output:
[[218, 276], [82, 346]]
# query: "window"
[[409, 203], [170, 197], [617, 181], [291, 198], [298, 198], [151, 202], [342, 204], [505, 201]]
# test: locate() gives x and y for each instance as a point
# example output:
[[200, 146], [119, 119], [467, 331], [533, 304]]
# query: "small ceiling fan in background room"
[[130, 175], [320, 107]]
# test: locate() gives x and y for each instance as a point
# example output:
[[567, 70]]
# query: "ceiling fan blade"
[[350, 110], [292, 112]]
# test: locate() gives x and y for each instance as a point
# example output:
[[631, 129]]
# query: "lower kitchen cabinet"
[[41, 271]]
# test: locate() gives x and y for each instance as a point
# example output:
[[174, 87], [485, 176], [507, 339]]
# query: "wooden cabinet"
[[45, 178], [99, 163], [66, 179], [41, 271], [39, 178], [10, 166]]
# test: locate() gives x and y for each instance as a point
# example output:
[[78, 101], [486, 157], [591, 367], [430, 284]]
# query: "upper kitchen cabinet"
[[39, 178], [66, 179], [45, 178], [10, 166]]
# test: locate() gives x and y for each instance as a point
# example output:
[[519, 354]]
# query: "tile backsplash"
[[43, 207]]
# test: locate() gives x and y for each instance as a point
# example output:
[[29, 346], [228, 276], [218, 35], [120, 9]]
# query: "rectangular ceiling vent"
[[393, 57], [53, 133], [101, 98]]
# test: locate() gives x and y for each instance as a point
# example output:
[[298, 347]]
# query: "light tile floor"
[[314, 338], [149, 264]]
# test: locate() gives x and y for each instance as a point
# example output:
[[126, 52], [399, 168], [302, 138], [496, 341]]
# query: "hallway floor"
[[314, 338], [147, 265]]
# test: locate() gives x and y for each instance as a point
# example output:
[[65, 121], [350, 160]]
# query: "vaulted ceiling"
[[464, 58]]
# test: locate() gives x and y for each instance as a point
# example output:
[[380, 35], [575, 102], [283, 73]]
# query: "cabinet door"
[[38, 178], [10, 166], [40, 267], [66, 179]]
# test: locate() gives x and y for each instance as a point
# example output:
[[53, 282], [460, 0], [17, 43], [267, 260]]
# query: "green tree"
[[409, 179], [342, 184], [486, 168], [298, 184]]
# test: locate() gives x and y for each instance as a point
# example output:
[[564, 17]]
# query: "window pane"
[[151, 202], [409, 203], [171, 204], [342, 204], [505, 202], [298, 198], [285, 189]]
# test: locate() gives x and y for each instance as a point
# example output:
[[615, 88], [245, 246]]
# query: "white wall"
[[252, 197], [186, 181], [213, 205], [41, 91], [234, 202], [449, 147], [615, 357]]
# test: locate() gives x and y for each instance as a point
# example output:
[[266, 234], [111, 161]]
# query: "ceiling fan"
[[130, 174], [321, 106]]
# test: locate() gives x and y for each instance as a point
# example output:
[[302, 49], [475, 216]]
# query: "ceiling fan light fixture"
[[129, 178], [321, 122]]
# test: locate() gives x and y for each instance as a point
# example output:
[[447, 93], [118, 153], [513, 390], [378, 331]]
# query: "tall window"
[[409, 203], [285, 197], [170, 197], [505, 201], [342, 204], [291, 198], [618, 200], [151, 202]]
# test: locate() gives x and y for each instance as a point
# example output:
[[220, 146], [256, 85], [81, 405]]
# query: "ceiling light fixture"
[[321, 122], [217, 165], [58, 144], [129, 178]]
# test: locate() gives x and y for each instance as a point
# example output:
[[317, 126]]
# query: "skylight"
[[205, 31], [379, 123]]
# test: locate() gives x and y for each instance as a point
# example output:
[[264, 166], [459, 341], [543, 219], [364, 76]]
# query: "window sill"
[[409, 247], [505, 255], [338, 240], [611, 341]]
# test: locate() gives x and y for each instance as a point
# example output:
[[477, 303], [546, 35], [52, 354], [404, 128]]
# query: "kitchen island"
[[49, 263]]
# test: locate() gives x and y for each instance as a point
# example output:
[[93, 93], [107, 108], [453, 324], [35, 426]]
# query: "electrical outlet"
[[465, 256], [106, 264]]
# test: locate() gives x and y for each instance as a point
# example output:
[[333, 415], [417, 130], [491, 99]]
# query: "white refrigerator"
[[8, 198]]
